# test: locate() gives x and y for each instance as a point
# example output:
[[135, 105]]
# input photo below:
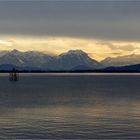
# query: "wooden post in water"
[[13, 75]]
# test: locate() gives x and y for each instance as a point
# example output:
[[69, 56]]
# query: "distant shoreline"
[[94, 71]]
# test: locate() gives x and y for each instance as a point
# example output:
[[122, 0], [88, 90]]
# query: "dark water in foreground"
[[84, 106]]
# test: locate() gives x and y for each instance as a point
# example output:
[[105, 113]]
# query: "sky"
[[103, 28]]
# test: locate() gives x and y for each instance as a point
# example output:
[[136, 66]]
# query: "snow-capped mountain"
[[30, 58], [73, 59], [121, 60]]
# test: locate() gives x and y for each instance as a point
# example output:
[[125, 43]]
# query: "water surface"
[[97, 106]]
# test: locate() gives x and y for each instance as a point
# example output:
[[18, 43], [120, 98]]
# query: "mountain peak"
[[15, 51], [76, 52]]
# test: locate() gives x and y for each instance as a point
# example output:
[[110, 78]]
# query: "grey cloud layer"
[[115, 20]]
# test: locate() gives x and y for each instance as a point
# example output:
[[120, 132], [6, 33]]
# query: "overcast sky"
[[94, 19], [102, 20]]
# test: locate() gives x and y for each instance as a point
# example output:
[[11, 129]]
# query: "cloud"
[[105, 20], [118, 47], [56, 45], [6, 43]]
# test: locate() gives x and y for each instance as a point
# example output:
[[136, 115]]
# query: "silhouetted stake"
[[13, 75]]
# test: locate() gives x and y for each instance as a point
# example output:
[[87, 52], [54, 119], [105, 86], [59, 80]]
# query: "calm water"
[[42, 106]]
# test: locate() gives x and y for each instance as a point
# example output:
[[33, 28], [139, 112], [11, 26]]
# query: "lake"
[[74, 106]]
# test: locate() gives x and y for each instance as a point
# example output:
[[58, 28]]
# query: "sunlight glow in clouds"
[[100, 28], [97, 49], [6, 43]]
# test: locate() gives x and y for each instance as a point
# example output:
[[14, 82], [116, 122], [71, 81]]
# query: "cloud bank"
[[106, 20]]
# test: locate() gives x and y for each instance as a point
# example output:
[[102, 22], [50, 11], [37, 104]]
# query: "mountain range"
[[73, 60]]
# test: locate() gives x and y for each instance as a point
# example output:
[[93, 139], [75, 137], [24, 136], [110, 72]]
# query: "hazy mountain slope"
[[121, 60]]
